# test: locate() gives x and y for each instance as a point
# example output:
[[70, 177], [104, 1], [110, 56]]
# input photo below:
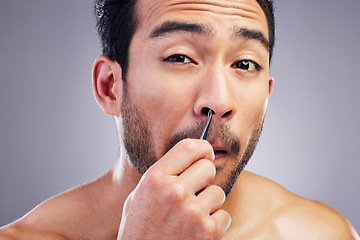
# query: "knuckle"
[[187, 144], [209, 229], [175, 194], [192, 212], [152, 180]]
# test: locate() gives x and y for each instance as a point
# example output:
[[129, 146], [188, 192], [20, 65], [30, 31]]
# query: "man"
[[166, 65]]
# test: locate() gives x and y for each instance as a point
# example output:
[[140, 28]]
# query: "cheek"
[[165, 104], [156, 89], [252, 105]]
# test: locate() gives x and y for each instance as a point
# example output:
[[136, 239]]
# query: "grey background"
[[53, 136]]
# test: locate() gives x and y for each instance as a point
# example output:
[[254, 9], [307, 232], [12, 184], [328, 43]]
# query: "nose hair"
[[215, 93]]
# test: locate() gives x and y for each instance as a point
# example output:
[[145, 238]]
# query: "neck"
[[108, 195], [122, 179], [124, 176]]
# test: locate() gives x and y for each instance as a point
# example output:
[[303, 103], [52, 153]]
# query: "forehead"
[[217, 14]]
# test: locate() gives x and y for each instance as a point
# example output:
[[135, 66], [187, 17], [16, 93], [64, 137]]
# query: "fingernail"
[[213, 154]]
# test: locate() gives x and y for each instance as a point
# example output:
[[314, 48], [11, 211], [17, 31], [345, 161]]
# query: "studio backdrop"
[[53, 136]]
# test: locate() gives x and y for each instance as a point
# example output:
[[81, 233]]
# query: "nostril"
[[205, 111], [228, 113]]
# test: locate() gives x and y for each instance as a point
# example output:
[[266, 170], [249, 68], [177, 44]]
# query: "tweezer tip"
[[205, 131]]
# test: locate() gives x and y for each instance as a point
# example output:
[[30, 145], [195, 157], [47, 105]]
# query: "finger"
[[198, 176], [183, 154], [223, 220], [211, 198]]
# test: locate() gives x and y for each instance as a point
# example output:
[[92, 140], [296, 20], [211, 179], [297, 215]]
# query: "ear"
[[107, 84], [271, 82]]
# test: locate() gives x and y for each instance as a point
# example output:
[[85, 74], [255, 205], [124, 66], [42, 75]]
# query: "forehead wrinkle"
[[168, 27], [245, 9], [154, 10], [221, 7]]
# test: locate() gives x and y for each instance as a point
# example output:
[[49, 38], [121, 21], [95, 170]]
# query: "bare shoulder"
[[46, 221], [311, 219], [295, 217], [40, 223], [19, 231], [84, 212]]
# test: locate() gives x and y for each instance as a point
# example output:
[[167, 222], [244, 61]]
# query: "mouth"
[[220, 152]]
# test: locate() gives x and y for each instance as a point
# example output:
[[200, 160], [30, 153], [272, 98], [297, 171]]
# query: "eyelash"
[[256, 66], [183, 59]]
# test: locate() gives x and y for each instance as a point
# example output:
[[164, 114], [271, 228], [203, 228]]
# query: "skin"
[[180, 196]]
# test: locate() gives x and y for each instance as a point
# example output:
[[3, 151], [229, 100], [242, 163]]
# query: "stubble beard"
[[139, 146]]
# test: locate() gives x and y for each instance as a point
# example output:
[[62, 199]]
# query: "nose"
[[215, 93]]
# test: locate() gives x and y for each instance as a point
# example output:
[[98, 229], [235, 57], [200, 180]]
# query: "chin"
[[228, 169]]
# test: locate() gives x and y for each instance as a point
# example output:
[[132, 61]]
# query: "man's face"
[[187, 57]]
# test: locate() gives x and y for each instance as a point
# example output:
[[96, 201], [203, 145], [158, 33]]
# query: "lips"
[[220, 151], [220, 154]]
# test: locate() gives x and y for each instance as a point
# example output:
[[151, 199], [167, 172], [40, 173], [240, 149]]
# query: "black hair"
[[116, 22], [268, 8]]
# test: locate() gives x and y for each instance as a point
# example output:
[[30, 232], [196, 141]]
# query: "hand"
[[175, 199]]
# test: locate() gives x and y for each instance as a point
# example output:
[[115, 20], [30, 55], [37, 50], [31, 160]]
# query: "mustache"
[[219, 133]]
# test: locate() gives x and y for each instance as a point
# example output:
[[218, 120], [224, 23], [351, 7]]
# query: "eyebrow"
[[252, 34], [169, 27], [175, 26]]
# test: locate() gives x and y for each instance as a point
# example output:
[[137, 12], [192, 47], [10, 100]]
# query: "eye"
[[247, 65], [178, 58]]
